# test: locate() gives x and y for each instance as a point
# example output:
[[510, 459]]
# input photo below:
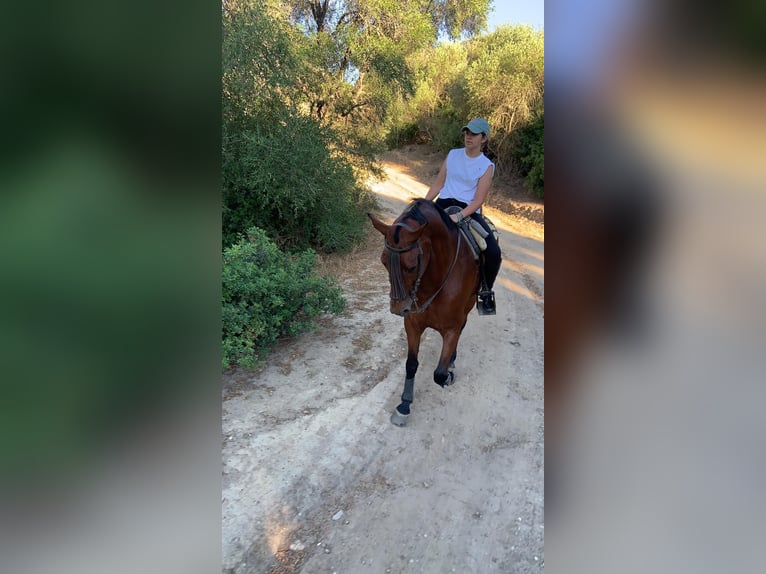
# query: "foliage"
[[260, 60], [440, 97], [401, 134], [105, 313], [451, 18], [499, 76], [531, 153], [505, 78], [282, 170], [361, 51], [286, 181], [266, 294]]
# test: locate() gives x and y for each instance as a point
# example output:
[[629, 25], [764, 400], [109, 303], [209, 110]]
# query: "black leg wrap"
[[409, 392], [411, 367], [402, 413]]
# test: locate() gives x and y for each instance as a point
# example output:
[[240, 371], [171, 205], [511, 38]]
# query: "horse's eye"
[[410, 269]]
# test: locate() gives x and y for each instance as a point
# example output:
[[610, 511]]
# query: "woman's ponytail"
[[488, 152]]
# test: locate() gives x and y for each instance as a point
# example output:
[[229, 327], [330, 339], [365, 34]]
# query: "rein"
[[398, 292]]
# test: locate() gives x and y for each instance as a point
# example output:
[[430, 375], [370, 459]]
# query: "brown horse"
[[434, 280]]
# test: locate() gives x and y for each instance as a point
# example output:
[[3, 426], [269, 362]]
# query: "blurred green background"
[[109, 224]]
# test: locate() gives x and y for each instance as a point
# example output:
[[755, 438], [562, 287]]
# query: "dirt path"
[[317, 480]]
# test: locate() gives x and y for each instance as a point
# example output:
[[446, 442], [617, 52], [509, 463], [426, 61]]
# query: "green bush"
[[530, 154], [445, 130], [283, 177], [402, 134], [535, 180], [282, 169], [266, 294]]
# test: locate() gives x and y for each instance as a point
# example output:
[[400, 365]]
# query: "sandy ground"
[[315, 477]]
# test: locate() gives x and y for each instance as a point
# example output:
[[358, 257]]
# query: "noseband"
[[398, 291]]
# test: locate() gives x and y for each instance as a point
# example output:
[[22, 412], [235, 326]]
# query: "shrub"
[[535, 180], [287, 181], [402, 134], [445, 130], [282, 169], [266, 294], [530, 154]]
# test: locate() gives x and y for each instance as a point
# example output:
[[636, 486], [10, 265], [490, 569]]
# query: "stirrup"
[[485, 303]]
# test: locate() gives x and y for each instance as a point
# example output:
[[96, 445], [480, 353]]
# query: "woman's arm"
[[438, 183]]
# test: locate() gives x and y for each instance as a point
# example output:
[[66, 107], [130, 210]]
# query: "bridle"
[[398, 291]]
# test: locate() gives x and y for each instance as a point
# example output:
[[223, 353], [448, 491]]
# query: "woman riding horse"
[[434, 280], [464, 180]]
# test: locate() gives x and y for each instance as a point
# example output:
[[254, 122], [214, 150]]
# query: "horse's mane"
[[416, 208], [415, 211]]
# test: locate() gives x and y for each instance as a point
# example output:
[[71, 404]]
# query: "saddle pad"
[[480, 241], [476, 239], [492, 228], [479, 233]]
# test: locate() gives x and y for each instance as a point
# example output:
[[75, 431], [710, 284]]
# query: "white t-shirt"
[[463, 175]]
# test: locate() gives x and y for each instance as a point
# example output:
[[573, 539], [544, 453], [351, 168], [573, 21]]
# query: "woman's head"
[[476, 135], [477, 126]]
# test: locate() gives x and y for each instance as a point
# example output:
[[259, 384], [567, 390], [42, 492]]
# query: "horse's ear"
[[378, 224]]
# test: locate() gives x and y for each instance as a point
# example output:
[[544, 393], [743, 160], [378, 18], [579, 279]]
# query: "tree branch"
[[353, 107]]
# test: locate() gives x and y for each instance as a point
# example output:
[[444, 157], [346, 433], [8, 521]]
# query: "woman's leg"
[[445, 203], [492, 255]]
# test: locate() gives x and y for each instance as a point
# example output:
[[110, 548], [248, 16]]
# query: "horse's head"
[[406, 255]]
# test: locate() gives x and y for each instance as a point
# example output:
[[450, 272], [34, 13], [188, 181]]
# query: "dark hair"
[[491, 155]]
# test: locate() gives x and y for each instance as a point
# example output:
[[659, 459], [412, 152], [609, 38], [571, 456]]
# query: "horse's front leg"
[[444, 375], [402, 412], [453, 357]]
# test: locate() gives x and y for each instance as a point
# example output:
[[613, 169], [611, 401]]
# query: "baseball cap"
[[477, 126]]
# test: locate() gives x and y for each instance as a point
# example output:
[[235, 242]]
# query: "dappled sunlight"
[[399, 186], [514, 287], [419, 163], [277, 538], [506, 223], [538, 255], [529, 269], [402, 196], [278, 533]]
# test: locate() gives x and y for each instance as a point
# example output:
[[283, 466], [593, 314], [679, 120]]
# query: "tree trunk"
[[319, 11]]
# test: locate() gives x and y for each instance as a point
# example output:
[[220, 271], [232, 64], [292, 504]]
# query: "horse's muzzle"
[[401, 308]]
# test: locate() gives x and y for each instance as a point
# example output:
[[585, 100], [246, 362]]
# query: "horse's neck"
[[444, 243]]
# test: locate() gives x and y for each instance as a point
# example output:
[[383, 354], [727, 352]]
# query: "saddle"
[[474, 233]]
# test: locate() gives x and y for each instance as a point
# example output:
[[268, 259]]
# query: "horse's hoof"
[[399, 419], [448, 380]]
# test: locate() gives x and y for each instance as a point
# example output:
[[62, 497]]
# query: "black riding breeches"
[[491, 256]]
